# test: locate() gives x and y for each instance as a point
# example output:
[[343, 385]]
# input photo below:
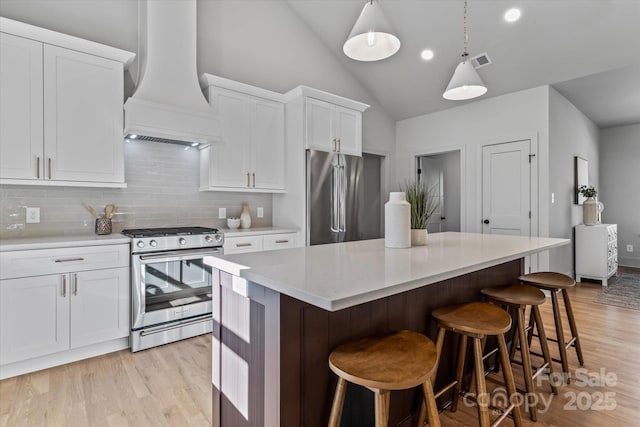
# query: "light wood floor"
[[171, 385]]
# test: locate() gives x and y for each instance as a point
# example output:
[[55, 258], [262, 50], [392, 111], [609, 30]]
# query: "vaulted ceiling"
[[556, 42]]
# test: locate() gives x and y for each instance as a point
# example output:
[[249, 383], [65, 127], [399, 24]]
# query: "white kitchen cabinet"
[[259, 242], [73, 298], [596, 252], [62, 103], [330, 127], [250, 153]]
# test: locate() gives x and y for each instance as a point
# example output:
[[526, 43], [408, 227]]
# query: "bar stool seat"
[[558, 283], [477, 320], [518, 297], [397, 361]]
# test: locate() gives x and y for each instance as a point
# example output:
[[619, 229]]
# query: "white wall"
[[511, 117], [619, 179], [571, 134]]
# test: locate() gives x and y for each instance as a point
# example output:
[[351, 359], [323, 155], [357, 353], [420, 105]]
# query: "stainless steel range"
[[170, 283]]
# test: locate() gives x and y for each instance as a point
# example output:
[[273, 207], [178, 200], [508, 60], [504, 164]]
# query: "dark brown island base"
[[279, 314]]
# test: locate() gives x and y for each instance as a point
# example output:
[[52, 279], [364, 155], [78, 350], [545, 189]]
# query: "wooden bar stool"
[[397, 361], [555, 283], [519, 297], [477, 320]]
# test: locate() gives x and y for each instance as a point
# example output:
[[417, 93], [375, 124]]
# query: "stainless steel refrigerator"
[[335, 197]]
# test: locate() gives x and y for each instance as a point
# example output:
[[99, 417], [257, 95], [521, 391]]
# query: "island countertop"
[[341, 275]]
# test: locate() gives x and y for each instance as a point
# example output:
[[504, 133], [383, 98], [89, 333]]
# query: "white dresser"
[[596, 252]]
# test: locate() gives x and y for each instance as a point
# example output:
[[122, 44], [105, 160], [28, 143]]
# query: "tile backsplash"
[[162, 190]]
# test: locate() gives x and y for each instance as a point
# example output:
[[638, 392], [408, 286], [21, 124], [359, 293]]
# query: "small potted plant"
[[423, 204]]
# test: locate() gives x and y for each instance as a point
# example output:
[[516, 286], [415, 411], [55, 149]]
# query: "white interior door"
[[506, 188], [431, 173]]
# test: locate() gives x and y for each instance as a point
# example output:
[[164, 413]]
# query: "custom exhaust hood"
[[168, 104]]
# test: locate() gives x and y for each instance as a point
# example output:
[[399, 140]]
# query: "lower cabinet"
[[259, 242], [81, 309]]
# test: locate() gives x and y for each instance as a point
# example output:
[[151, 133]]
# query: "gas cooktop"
[[168, 231]]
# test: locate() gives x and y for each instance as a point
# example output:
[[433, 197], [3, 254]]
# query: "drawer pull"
[[64, 286], [49, 159], [243, 245], [282, 241], [75, 284], [38, 167], [70, 259]]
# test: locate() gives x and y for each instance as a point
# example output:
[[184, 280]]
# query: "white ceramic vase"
[[591, 210], [245, 217], [419, 236], [397, 221]]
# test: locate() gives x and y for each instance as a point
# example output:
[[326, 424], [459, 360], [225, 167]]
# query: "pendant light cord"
[[465, 52]]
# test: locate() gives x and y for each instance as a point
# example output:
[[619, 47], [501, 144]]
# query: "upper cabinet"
[[61, 109], [328, 122], [250, 154]]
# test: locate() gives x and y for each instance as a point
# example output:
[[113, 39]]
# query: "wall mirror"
[[581, 168]]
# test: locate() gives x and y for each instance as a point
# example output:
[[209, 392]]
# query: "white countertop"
[[341, 275], [30, 243], [239, 232]]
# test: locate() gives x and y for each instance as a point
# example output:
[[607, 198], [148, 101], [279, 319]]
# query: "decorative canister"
[[591, 209], [245, 217], [397, 221], [103, 225]]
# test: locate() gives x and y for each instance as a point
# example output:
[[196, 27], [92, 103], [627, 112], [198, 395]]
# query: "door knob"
[[486, 221]]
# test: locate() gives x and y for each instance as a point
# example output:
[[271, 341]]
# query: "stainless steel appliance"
[[170, 283], [335, 197]]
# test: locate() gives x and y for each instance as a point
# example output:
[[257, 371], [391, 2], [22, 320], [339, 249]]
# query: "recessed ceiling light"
[[426, 54], [512, 15]]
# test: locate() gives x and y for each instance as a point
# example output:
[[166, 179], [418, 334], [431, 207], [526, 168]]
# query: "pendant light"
[[372, 37], [465, 83]]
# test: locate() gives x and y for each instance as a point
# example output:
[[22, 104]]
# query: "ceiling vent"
[[481, 60]]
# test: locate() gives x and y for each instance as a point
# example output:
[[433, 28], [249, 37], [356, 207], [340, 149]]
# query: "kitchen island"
[[278, 314]]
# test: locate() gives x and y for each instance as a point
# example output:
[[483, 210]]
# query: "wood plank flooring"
[[171, 385]]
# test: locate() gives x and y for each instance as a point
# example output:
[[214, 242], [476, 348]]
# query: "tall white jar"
[[397, 221]]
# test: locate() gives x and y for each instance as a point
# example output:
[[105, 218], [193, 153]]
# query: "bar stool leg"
[[572, 325], [338, 401], [381, 405], [560, 335], [462, 352], [526, 364], [508, 379], [482, 398], [542, 336], [432, 408]]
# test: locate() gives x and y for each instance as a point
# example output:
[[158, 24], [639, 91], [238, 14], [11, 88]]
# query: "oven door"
[[170, 286]]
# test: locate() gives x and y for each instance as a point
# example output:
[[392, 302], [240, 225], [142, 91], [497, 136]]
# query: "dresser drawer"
[[236, 245], [39, 262], [279, 241]]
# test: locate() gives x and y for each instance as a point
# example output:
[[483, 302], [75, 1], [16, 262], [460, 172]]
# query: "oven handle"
[[178, 255]]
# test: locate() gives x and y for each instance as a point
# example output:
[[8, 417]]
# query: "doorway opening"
[[442, 174], [373, 178]]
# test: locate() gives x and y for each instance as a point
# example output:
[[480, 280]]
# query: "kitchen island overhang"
[[289, 308]]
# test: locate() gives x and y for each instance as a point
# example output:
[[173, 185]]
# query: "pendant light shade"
[[465, 83], [372, 37]]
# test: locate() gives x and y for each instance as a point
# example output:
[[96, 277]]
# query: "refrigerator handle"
[[342, 201], [335, 179]]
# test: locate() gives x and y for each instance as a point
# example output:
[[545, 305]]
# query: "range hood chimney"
[[168, 104]]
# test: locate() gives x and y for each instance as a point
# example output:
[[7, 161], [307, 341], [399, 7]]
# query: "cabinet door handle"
[[242, 245], [339, 145], [254, 179], [64, 286], [248, 180], [282, 241], [335, 145], [49, 161], [38, 167], [75, 284], [69, 259]]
